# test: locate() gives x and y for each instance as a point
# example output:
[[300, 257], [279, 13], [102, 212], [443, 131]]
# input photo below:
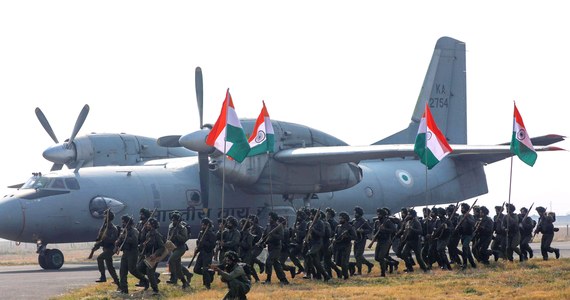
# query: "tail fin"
[[445, 90]]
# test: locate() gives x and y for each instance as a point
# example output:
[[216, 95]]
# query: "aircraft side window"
[[193, 198], [97, 207], [58, 184], [72, 183], [99, 204]]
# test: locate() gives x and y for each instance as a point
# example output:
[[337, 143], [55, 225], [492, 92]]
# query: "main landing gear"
[[49, 259]]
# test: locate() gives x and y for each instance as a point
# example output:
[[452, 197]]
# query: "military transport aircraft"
[[308, 167]]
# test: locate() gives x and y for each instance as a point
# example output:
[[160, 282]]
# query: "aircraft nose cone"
[[196, 141], [11, 219], [59, 154]]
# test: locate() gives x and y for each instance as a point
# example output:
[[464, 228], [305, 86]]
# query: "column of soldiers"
[[142, 247], [324, 243]]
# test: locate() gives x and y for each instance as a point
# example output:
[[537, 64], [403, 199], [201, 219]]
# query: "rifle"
[[245, 223], [310, 230], [540, 220], [198, 245], [455, 209], [334, 240], [376, 235], [220, 242], [263, 239], [464, 216], [123, 236], [101, 235], [526, 215]]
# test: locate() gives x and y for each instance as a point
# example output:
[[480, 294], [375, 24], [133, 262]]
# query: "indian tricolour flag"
[[520, 141], [431, 145], [261, 139], [228, 135]]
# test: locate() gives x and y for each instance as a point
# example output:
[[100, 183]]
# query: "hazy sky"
[[353, 69]]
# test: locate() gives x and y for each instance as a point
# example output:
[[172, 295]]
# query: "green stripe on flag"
[[527, 155]]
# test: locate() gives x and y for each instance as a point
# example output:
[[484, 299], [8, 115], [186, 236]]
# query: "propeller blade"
[[169, 141], [43, 120], [204, 178], [80, 120], [202, 156], [200, 94], [56, 167]]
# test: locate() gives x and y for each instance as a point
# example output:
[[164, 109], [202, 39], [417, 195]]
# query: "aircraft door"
[[131, 146]]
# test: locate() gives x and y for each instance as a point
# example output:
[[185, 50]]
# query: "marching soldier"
[[442, 234], [465, 231], [314, 242], [546, 227], [430, 256], [393, 263], [284, 255], [178, 235], [344, 235], [526, 224], [144, 215], [128, 242], [484, 233], [499, 242], [205, 250], [411, 237], [474, 241], [153, 248], [257, 231], [273, 238], [513, 233], [385, 230], [246, 246], [230, 236], [454, 238], [296, 245], [331, 225], [109, 235], [363, 229]]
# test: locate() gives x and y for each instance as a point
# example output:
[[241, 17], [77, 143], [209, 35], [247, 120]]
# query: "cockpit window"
[[36, 182], [58, 184], [72, 183], [42, 182]]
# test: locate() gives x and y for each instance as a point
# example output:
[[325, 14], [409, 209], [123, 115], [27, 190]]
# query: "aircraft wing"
[[345, 154]]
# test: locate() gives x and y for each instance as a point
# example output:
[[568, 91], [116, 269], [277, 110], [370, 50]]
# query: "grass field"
[[535, 279]]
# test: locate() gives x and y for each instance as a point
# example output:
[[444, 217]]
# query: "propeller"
[[203, 160], [61, 153], [196, 141]]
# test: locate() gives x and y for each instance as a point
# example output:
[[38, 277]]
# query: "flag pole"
[[425, 158], [270, 180], [510, 186], [227, 104]]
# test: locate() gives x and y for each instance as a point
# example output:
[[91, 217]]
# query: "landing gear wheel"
[[42, 261], [54, 259]]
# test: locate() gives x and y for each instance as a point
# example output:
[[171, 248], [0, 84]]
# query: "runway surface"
[[32, 282]]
